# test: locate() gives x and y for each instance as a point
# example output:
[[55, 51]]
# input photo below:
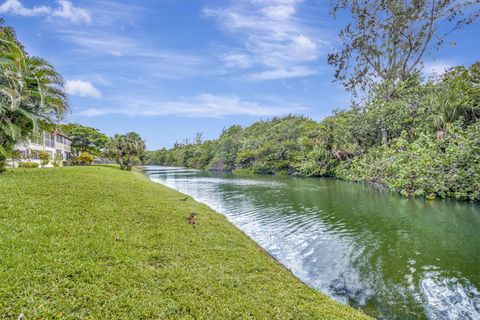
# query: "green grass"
[[99, 243]]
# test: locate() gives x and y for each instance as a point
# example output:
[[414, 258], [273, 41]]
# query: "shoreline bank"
[[100, 242]]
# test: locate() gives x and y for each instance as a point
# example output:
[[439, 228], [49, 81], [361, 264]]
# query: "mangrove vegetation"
[[424, 140], [413, 135]]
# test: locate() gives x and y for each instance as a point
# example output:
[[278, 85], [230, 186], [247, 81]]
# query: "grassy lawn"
[[99, 243]]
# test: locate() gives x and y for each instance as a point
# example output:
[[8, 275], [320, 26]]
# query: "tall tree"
[[85, 139], [31, 90], [126, 149], [387, 40]]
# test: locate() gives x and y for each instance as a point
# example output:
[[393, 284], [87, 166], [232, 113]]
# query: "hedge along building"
[[56, 144]]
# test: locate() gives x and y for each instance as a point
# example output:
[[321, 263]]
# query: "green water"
[[393, 257]]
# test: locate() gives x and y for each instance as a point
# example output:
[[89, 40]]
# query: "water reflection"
[[390, 256]]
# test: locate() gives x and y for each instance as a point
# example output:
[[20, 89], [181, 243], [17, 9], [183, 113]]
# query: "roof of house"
[[62, 134]]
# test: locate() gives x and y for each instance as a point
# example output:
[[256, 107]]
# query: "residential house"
[[56, 144]]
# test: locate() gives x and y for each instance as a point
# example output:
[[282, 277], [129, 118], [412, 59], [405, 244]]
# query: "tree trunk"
[[384, 133], [3, 164]]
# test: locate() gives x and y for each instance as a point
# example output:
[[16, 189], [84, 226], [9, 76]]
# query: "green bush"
[[85, 159], [28, 165], [16, 154], [427, 167], [45, 157], [261, 167], [58, 159], [242, 171]]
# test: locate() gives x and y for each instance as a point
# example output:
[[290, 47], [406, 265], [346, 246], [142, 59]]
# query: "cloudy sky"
[[170, 68]]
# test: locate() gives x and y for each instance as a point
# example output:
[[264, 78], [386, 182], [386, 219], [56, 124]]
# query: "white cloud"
[[282, 73], [205, 105], [237, 60], [119, 46], [437, 67], [272, 38], [68, 11], [100, 43], [116, 53], [304, 48], [119, 14], [65, 9], [82, 88], [119, 53], [279, 11], [16, 7]]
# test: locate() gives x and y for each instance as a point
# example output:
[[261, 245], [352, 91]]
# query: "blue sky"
[[168, 69]]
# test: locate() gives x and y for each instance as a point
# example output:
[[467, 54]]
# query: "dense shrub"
[[85, 159], [58, 159], [28, 165], [425, 167], [44, 156], [261, 167], [424, 140], [16, 154]]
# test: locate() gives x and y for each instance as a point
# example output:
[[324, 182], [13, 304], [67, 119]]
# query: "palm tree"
[[31, 91], [447, 108], [456, 97], [125, 149]]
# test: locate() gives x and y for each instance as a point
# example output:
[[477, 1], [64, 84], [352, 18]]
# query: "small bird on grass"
[[191, 219], [184, 199]]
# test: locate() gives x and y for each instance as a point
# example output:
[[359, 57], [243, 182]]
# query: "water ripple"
[[395, 258]]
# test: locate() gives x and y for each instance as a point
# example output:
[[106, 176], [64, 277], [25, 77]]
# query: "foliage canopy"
[[31, 90], [85, 139], [387, 40], [432, 148], [126, 150]]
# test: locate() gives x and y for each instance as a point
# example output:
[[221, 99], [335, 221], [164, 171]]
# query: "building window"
[[37, 139], [49, 140], [60, 139]]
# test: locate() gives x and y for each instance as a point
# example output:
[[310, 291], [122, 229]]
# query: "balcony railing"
[[63, 146], [49, 140]]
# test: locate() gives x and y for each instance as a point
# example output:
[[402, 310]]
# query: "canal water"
[[393, 257]]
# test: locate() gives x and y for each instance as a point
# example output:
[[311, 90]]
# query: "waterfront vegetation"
[[416, 136], [127, 150], [97, 242], [100, 243], [424, 140]]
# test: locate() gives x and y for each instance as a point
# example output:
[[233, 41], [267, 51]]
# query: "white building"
[[57, 145]]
